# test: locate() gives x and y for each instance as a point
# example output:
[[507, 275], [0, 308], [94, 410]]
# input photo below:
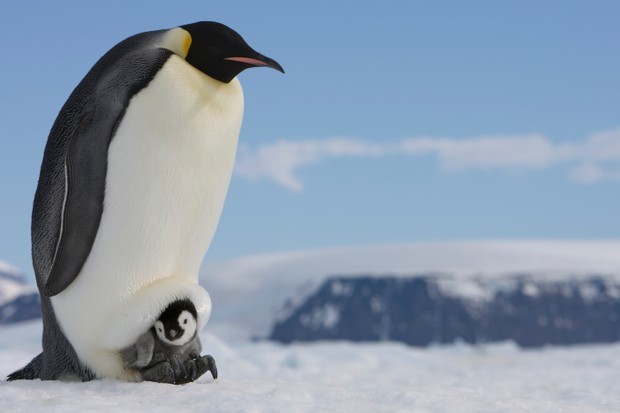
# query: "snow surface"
[[248, 293], [339, 377]]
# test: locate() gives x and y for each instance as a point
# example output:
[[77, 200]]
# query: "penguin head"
[[220, 52], [177, 324]]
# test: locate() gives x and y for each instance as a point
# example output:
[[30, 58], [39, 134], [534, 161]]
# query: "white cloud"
[[529, 151], [590, 172], [593, 159], [278, 161], [587, 173], [598, 158]]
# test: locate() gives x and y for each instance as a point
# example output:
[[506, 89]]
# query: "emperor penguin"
[[132, 184]]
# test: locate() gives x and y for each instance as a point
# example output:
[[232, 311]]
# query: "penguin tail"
[[30, 372]]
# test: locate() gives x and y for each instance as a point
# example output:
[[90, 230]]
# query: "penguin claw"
[[206, 363], [210, 361]]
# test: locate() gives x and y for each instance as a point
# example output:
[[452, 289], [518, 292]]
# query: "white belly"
[[169, 166]]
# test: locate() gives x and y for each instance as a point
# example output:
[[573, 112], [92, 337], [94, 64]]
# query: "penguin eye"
[[185, 321], [161, 330]]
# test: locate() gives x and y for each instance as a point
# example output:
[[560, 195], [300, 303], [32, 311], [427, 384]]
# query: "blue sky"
[[395, 122]]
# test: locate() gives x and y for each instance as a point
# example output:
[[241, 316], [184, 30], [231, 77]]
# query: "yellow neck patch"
[[178, 41]]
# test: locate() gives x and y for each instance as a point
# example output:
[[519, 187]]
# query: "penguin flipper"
[[140, 354], [81, 210], [70, 194]]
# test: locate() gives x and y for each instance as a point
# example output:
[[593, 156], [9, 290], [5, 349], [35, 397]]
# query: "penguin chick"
[[177, 324], [170, 351]]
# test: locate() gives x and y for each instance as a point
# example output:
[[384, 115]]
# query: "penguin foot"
[[202, 365], [209, 363], [195, 367], [30, 372], [160, 373], [178, 368], [176, 371]]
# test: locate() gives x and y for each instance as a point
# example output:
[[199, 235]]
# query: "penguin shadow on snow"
[[169, 352]]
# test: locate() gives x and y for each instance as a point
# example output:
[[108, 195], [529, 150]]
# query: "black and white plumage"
[[170, 350], [132, 184]]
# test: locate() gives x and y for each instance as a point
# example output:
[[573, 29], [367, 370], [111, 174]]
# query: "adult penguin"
[[132, 184]]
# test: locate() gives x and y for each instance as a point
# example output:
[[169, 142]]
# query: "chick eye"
[[160, 330], [185, 321]]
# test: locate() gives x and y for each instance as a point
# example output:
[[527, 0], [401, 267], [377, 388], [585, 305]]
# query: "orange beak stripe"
[[247, 60]]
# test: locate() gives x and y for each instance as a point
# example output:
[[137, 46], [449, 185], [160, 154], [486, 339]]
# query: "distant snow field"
[[339, 377]]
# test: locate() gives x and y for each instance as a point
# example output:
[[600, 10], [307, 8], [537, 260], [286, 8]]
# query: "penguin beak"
[[260, 60]]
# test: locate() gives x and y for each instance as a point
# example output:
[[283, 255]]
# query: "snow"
[[325, 317], [340, 377], [249, 293]]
